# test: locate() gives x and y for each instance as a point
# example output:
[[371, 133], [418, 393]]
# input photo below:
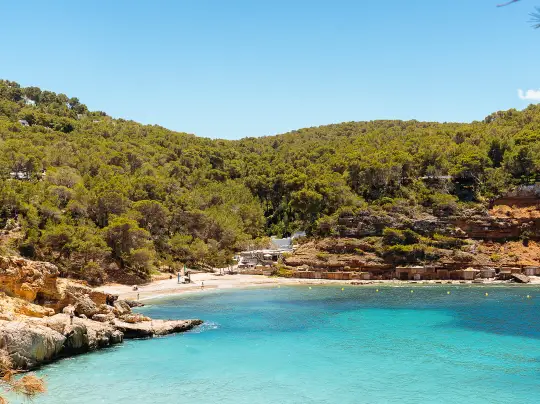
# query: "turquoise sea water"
[[324, 345]]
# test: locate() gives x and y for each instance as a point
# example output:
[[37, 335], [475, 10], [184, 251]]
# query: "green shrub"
[[443, 204], [496, 257], [404, 237], [446, 242], [282, 271], [393, 236], [323, 256]]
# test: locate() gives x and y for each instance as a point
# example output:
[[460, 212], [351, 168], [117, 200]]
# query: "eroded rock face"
[[36, 341], [25, 279], [30, 344], [84, 334], [30, 295], [121, 307], [11, 308], [38, 282]]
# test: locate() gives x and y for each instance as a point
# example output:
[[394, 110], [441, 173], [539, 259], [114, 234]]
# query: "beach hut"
[[410, 273], [469, 274], [531, 270], [487, 273], [443, 274]]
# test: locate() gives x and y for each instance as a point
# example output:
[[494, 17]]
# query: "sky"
[[233, 69]]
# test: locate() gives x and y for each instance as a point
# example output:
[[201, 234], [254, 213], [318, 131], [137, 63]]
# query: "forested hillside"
[[102, 197]]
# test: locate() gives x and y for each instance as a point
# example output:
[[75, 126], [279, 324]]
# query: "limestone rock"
[[30, 344], [38, 282], [163, 327], [134, 303], [12, 307], [103, 318], [133, 318], [25, 279], [69, 309], [122, 307], [147, 329], [93, 334], [86, 306]]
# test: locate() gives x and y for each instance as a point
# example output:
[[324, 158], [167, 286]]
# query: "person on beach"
[[202, 285]]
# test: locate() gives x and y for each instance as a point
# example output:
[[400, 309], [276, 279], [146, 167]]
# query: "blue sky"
[[232, 69]]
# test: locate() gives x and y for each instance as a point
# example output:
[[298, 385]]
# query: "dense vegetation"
[[101, 196]]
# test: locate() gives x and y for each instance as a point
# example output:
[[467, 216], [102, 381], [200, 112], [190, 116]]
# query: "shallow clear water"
[[324, 345]]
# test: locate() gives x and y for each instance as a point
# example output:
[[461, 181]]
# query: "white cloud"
[[531, 95]]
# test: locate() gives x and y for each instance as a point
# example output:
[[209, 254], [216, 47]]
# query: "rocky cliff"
[[472, 225], [44, 317], [377, 241]]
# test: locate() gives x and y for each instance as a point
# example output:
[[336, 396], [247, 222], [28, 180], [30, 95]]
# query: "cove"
[[322, 345]]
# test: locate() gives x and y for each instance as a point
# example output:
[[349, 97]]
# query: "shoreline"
[[169, 287]]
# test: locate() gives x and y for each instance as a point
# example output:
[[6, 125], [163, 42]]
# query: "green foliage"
[[95, 192], [323, 256], [130, 245], [446, 242], [404, 237]]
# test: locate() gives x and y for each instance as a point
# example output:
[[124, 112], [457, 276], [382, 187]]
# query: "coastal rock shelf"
[[44, 318], [33, 342], [148, 329]]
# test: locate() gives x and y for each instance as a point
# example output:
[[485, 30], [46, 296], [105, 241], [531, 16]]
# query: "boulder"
[[105, 309], [85, 305], [121, 307], [133, 318], [30, 344], [103, 318], [134, 303]]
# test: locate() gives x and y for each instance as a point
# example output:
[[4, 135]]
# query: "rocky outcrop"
[[480, 226], [38, 282], [43, 317], [335, 254], [83, 335], [30, 344], [147, 329], [25, 279], [492, 228], [35, 341], [12, 308]]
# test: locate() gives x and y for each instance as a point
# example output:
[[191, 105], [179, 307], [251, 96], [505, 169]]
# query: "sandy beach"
[[211, 281], [165, 287]]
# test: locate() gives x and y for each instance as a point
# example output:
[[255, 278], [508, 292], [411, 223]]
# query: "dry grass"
[[6, 366], [28, 386], [504, 211], [510, 253]]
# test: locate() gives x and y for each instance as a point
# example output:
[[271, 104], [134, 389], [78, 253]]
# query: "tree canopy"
[[97, 195]]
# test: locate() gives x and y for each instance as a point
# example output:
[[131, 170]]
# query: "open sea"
[[322, 345]]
